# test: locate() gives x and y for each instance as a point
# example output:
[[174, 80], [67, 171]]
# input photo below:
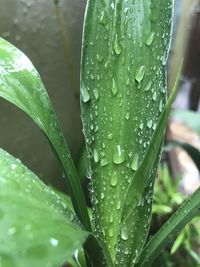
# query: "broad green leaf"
[[21, 85], [36, 226], [170, 229], [123, 93], [193, 152]]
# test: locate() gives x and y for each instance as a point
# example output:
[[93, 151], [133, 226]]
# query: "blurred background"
[[49, 32]]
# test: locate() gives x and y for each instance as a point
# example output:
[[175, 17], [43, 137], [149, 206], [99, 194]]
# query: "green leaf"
[[161, 209], [123, 93], [36, 226], [178, 242], [193, 152], [170, 229], [142, 174], [21, 85]]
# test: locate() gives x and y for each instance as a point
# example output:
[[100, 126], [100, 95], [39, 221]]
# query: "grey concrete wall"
[[32, 26]]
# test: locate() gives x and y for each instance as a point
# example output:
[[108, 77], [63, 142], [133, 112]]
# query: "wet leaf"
[[170, 229], [123, 94], [36, 226], [21, 85]]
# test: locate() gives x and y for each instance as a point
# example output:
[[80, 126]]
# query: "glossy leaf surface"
[[123, 93], [36, 226], [21, 84]]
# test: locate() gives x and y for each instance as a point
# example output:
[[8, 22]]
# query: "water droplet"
[[95, 156], [118, 155], [111, 217], [110, 232], [85, 94], [96, 94], [154, 96], [104, 162], [102, 196], [127, 116], [150, 38], [54, 242], [134, 163], [104, 18], [110, 136], [117, 48], [99, 58], [161, 106], [118, 205], [115, 87], [114, 179], [141, 125], [139, 74], [149, 123], [148, 86], [124, 232]]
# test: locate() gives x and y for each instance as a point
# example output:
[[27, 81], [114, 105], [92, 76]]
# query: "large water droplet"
[[115, 87], [114, 179], [150, 38], [124, 232], [99, 58], [85, 94], [118, 155], [149, 123], [139, 74], [134, 163], [116, 46]]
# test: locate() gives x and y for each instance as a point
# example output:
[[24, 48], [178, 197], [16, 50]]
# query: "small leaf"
[[21, 85], [179, 240], [36, 226], [170, 229]]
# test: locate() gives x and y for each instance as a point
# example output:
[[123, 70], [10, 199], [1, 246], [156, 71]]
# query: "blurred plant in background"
[[168, 197]]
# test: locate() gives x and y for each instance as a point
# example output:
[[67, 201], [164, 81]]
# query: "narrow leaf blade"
[[36, 226], [170, 229]]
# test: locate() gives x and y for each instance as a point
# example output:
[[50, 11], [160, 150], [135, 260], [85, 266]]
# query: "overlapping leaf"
[[21, 85], [36, 226]]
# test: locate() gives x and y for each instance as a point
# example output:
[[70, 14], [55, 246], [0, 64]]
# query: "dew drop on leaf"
[[85, 94], [118, 155], [95, 156], [124, 232], [139, 74], [150, 38], [115, 87], [134, 163], [114, 179]]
